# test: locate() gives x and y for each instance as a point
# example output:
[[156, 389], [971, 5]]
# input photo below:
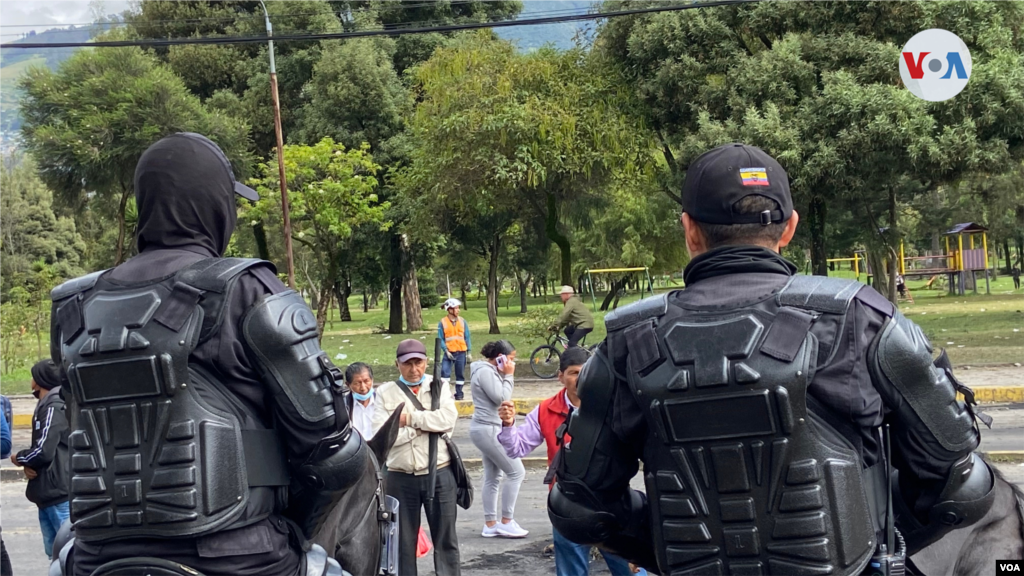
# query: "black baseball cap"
[[240, 189], [720, 178]]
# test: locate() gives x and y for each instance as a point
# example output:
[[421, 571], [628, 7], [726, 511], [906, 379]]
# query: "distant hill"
[[14, 62], [560, 35]]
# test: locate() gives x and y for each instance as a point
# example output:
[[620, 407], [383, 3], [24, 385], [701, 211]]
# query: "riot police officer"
[[201, 403], [754, 398]]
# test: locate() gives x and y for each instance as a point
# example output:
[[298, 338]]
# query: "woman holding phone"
[[491, 384]]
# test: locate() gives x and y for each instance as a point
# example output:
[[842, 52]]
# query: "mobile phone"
[[500, 360]]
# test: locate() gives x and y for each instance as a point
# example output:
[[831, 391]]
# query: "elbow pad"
[[625, 532], [281, 332], [966, 498]]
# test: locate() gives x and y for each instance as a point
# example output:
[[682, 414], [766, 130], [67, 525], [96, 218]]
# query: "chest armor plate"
[[155, 446], [741, 478]]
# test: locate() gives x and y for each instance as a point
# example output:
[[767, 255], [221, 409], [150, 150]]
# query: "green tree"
[[88, 123], [32, 234], [818, 87], [543, 129], [333, 191]]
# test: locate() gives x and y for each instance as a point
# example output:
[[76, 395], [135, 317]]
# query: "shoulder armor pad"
[[281, 331], [74, 286], [820, 293], [637, 311], [216, 274], [903, 358]]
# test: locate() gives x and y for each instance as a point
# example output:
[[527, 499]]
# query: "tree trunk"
[[321, 309], [551, 229], [894, 239], [411, 289], [260, 234], [816, 218], [1006, 254], [524, 285], [342, 290], [613, 290], [395, 286], [492, 285], [462, 296], [366, 304], [121, 225]]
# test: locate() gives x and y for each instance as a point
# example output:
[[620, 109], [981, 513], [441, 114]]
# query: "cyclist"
[[575, 317]]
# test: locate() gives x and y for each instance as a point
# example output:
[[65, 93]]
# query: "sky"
[[21, 16]]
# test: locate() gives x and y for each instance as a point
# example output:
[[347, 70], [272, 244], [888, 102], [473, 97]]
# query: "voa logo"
[[1004, 567], [935, 65]]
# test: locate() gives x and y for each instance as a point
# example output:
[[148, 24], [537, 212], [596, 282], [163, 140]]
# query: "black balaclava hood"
[[185, 194]]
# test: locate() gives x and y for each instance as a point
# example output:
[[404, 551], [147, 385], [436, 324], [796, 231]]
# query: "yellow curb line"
[[990, 394], [986, 395]]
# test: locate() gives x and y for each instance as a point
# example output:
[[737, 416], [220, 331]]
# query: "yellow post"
[[949, 263], [856, 265], [903, 268], [984, 246], [960, 252], [970, 239]]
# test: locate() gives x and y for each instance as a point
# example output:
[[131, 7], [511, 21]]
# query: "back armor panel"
[[740, 477], [156, 446]]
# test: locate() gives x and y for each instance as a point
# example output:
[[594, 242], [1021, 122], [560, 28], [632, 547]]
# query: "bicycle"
[[544, 360]]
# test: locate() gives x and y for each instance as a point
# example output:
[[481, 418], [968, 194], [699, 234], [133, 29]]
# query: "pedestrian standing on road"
[[453, 330], [362, 405], [46, 461], [5, 452], [575, 317], [541, 427], [409, 460], [492, 384]]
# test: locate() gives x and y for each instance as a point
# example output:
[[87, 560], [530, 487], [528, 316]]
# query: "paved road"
[[480, 556]]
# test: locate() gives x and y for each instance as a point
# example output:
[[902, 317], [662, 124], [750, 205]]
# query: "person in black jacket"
[[46, 462], [757, 400], [209, 430]]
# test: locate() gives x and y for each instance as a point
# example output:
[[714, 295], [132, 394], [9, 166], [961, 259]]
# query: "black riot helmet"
[[185, 192]]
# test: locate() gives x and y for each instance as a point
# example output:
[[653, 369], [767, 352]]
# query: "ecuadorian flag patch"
[[754, 176]]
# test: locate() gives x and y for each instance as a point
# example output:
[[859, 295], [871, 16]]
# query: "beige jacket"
[[411, 449]]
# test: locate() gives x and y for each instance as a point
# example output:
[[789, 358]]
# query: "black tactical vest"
[[741, 478], [158, 447]]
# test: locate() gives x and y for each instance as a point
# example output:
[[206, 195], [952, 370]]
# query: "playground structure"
[[956, 263], [649, 286]]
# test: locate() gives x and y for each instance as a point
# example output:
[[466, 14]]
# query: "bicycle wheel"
[[544, 362]]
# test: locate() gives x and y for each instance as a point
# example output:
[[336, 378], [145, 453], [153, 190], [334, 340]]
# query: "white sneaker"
[[511, 530], [490, 531]]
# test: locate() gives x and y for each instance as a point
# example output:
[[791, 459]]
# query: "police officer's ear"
[[696, 244], [787, 234]]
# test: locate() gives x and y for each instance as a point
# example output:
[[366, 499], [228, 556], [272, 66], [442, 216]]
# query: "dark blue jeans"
[[572, 559], [50, 519], [459, 362]]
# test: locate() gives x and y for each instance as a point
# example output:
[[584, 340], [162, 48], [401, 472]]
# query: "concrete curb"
[[986, 395]]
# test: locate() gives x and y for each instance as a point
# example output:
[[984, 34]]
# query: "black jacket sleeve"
[[49, 425]]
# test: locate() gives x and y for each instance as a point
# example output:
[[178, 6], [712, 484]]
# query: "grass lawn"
[[974, 329]]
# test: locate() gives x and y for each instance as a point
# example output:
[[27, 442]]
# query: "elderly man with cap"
[[409, 460], [47, 460], [575, 317], [208, 431], [756, 399]]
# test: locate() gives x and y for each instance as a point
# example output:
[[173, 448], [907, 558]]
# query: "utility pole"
[[280, 152]]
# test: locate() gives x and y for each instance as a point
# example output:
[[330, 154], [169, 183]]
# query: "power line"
[[370, 33], [521, 15]]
